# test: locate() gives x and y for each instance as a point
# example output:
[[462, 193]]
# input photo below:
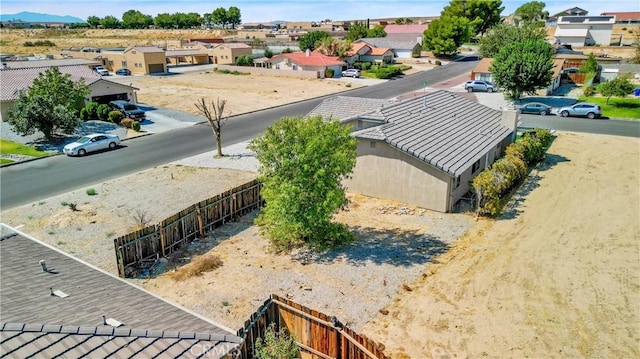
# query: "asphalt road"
[[33, 181], [577, 124]]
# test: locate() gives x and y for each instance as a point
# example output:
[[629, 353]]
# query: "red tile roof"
[[315, 58], [623, 16]]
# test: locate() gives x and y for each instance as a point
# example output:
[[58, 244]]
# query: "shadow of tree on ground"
[[398, 247]]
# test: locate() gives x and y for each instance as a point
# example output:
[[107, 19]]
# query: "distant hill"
[[36, 17]]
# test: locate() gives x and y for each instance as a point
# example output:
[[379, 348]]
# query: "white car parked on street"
[[91, 143]]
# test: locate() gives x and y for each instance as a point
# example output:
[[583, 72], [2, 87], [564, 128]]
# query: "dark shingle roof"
[[25, 297], [344, 108], [446, 131]]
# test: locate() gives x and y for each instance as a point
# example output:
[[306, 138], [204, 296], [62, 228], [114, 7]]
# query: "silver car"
[[478, 85], [583, 109], [91, 143]]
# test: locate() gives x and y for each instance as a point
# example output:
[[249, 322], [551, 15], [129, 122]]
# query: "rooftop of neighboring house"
[[571, 11], [442, 129], [484, 66], [406, 29], [309, 58], [395, 43], [587, 20], [49, 63], [53, 304], [371, 50], [184, 52], [234, 45], [624, 16], [16, 79], [145, 49]]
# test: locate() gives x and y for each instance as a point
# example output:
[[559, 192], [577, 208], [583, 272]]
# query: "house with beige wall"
[[141, 60], [363, 52], [584, 30], [425, 150], [312, 61], [228, 53]]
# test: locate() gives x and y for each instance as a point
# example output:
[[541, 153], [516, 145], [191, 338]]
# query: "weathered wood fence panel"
[[140, 249], [315, 333]]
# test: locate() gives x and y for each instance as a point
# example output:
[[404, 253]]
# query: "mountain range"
[[37, 17]]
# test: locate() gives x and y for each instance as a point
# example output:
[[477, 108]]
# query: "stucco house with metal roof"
[[14, 80], [54, 305], [425, 150], [584, 30], [403, 45]]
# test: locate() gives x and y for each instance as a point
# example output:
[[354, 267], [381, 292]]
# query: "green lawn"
[[618, 107], [20, 149], [4, 161]]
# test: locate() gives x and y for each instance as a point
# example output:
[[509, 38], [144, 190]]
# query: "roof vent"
[[58, 293], [112, 322], [43, 265]]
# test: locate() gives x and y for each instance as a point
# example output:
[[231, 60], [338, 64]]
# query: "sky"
[[291, 10]]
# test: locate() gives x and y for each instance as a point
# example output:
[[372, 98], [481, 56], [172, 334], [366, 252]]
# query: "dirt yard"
[[558, 277]]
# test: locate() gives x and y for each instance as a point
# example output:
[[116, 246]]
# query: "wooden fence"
[[141, 249], [315, 333]]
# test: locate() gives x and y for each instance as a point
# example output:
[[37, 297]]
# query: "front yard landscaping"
[[618, 107], [8, 148]]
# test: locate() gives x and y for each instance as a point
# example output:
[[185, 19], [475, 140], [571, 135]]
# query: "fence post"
[[200, 221], [163, 241], [121, 271]]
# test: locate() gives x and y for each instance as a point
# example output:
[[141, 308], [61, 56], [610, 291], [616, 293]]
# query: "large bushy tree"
[[110, 22], [503, 35], [532, 11], [523, 67], [361, 30], [482, 14], [590, 65], [134, 19], [445, 35], [234, 17], [220, 17], [52, 103], [311, 40], [619, 86], [302, 164]]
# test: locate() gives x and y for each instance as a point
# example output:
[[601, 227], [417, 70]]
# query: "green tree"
[[636, 56], [207, 19], [134, 19], [164, 21], [590, 65], [220, 17], [332, 47], [619, 86], [446, 34], [310, 40], [503, 35], [52, 103], [302, 164], [532, 11], [276, 344], [268, 53], [523, 67], [234, 17], [93, 21], [482, 14], [110, 22]]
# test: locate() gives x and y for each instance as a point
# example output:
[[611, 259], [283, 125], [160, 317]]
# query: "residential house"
[[584, 30], [141, 60], [252, 34], [187, 57], [307, 61], [55, 305], [299, 25], [574, 11], [611, 71], [228, 53], [482, 72], [363, 52], [404, 46], [426, 149], [629, 17], [15, 80], [405, 32]]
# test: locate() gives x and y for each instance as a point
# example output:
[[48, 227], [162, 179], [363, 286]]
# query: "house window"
[[124, 64], [457, 184], [476, 167], [295, 67], [110, 62], [133, 52], [372, 144]]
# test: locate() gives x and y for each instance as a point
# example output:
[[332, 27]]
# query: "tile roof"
[[14, 80], [624, 16], [344, 108], [355, 47], [445, 130], [189, 52], [406, 29], [145, 49], [314, 58], [235, 45], [25, 297], [49, 63]]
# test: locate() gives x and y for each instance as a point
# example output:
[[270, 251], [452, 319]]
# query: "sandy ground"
[[558, 277]]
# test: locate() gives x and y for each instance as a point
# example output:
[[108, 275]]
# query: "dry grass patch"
[[198, 265]]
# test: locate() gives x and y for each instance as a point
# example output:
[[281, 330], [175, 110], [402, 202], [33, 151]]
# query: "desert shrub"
[[197, 266], [268, 53], [589, 91], [365, 66], [92, 110], [91, 192], [102, 112], [543, 136], [329, 73], [276, 344], [135, 125], [415, 56], [47, 43], [28, 44], [126, 122], [287, 51], [84, 114], [246, 60], [115, 116], [348, 84], [624, 29], [438, 63], [485, 186]]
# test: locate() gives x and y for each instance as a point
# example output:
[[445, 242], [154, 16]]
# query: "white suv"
[[101, 70], [478, 85]]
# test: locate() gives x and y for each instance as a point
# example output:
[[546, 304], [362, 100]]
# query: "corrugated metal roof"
[[344, 107], [401, 42], [49, 63], [15, 80], [25, 294], [191, 52], [406, 29], [446, 131]]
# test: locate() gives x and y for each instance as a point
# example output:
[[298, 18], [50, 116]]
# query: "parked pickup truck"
[[128, 109], [101, 70]]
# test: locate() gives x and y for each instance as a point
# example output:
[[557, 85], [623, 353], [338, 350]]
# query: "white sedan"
[[91, 143]]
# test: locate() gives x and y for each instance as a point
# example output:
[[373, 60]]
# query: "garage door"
[[155, 68]]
